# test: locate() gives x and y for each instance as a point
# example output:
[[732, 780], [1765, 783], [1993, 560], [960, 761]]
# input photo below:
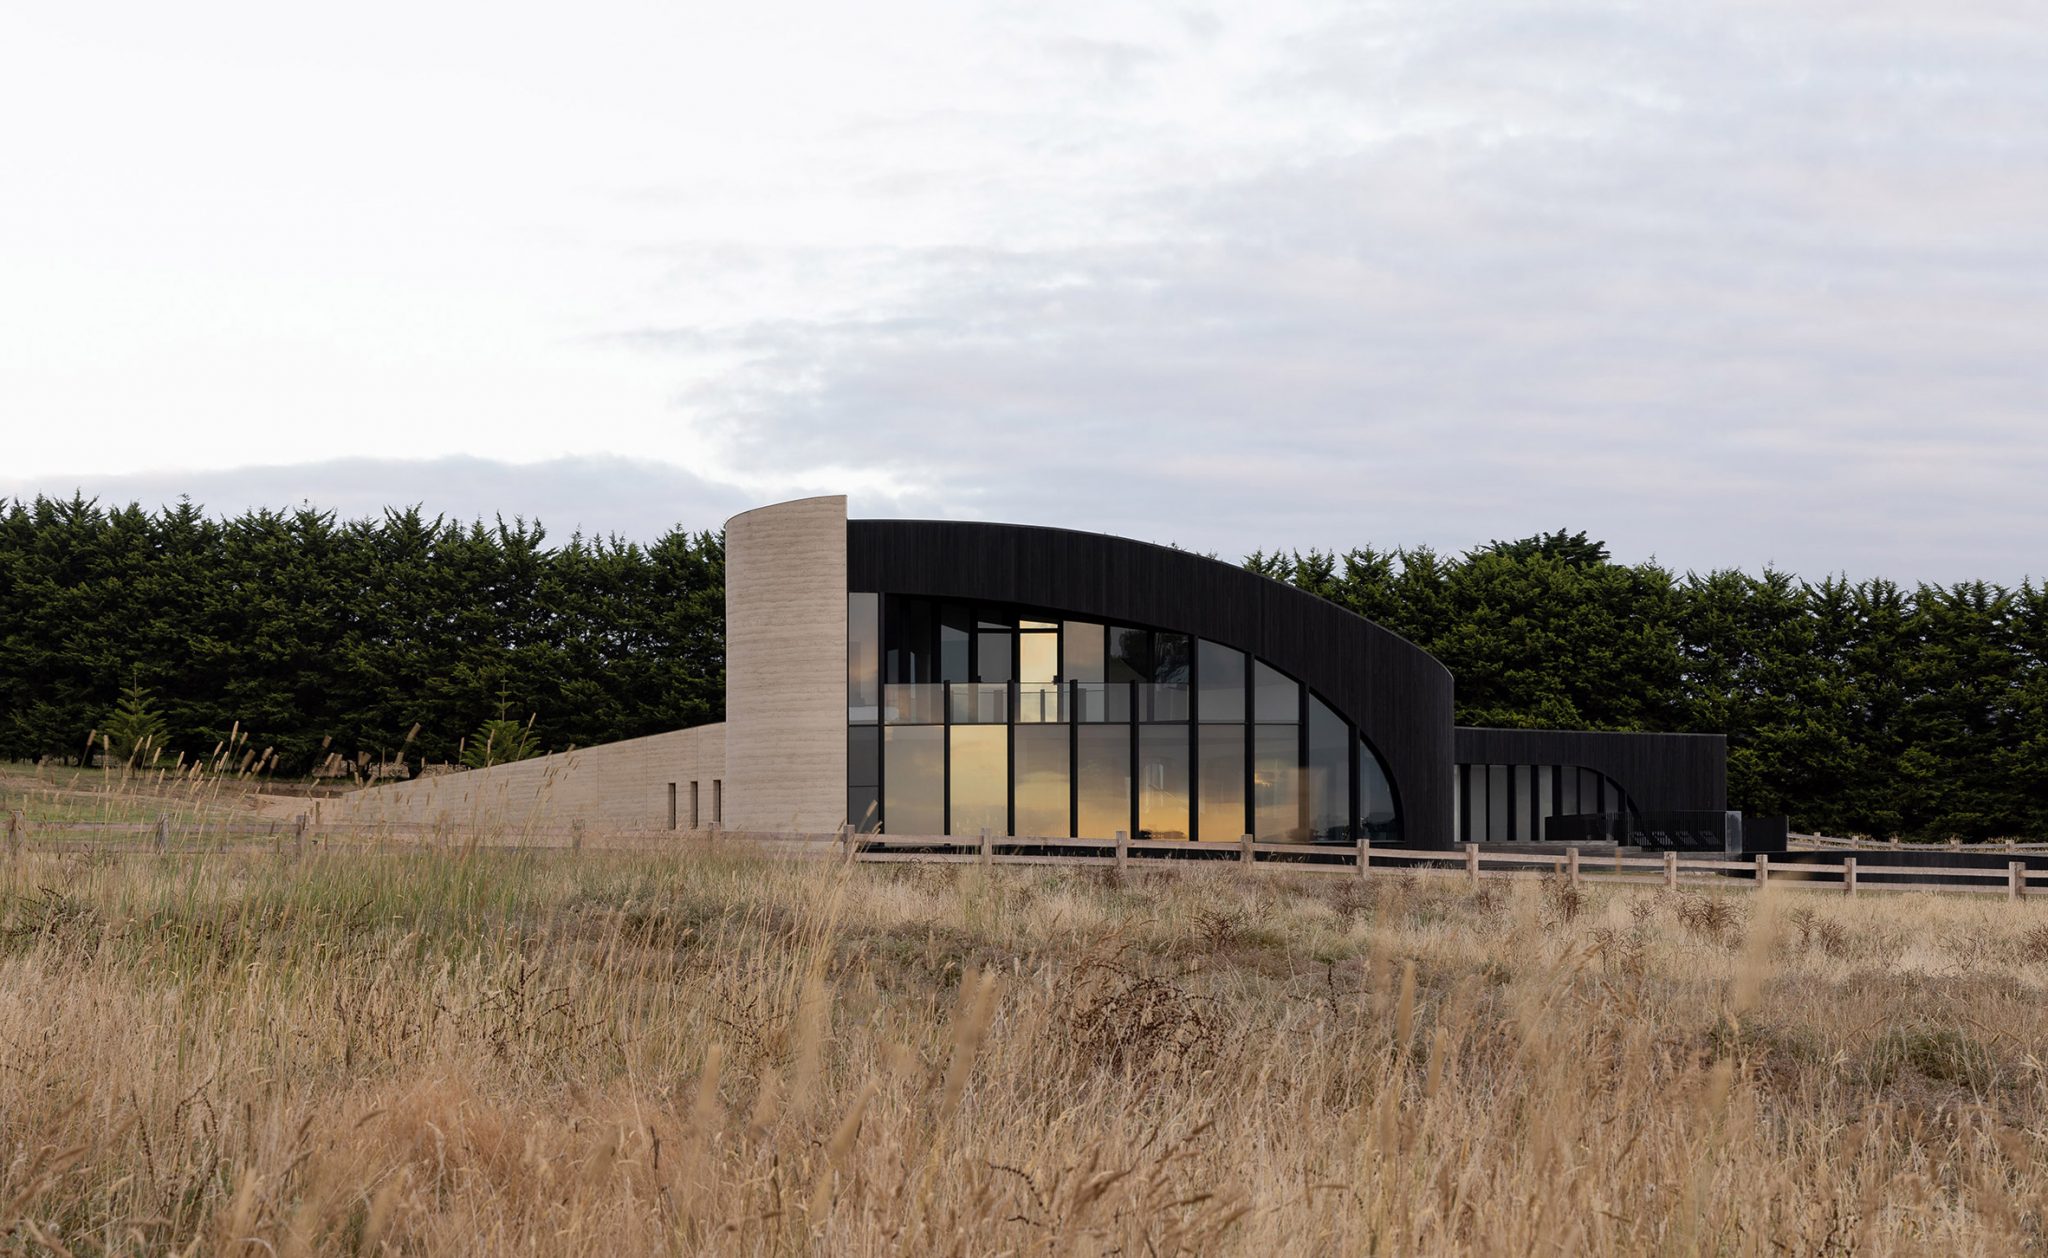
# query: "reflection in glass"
[[1038, 657], [1222, 778], [1130, 654], [979, 703], [1084, 651], [1103, 780], [1276, 782], [1276, 697], [981, 779], [909, 634], [1525, 802], [863, 809], [1042, 795], [1037, 624], [992, 655], [1546, 801], [863, 756], [1568, 791], [1040, 703], [1172, 657], [1098, 701], [914, 757], [1496, 803], [1329, 775], [955, 635], [1376, 808], [1222, 688], [914, 705], [863, 658], [1164, 701], [1163, 782]]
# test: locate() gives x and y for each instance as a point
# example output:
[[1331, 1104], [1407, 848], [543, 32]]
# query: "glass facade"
[[1508, 803], [1044, 785], [978, 780], [963, 717]]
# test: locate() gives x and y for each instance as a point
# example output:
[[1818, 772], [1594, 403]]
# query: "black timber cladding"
[[1660, 772], [1397, 694]]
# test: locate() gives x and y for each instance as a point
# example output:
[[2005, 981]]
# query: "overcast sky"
[[1725, 284]]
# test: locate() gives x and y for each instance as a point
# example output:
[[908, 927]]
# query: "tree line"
[[318, 637], [1856, 707]]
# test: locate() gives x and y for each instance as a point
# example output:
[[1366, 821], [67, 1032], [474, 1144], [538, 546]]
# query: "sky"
[[1726, 285]]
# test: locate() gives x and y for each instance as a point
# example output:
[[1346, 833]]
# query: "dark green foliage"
[[1856, 708], [309, 630], [135, 730]]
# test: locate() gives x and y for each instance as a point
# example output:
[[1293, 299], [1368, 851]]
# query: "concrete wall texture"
[[617, 786], [785, 667]]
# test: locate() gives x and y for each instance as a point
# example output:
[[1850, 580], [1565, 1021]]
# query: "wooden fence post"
[[1123, 851], [576, 834], [1245, 855], [299, 835], [1671, 871], [14, 829], [1848, 875], [163, 831], [2016, 880], [1763, 868], [1571, 865], [988, 848], [846, 843], [1472, 863], [1364, 855]]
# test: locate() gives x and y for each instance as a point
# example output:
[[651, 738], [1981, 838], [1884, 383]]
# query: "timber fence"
[[1855, 872]]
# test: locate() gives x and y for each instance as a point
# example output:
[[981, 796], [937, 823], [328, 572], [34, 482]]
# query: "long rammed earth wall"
[[616, 786]]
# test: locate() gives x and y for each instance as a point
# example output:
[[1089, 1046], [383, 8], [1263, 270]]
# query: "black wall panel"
[[1397, 694], [1660, 772]]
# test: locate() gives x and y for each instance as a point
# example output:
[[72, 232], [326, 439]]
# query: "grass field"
[[572, 1054]]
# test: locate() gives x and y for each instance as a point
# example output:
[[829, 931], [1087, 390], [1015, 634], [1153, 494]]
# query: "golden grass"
[[416, 1052]]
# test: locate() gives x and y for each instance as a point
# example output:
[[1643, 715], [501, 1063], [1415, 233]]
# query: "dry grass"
[[417, 1052]]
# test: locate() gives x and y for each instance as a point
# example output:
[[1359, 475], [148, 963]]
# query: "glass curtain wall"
[[963, 717], [1508, 803]]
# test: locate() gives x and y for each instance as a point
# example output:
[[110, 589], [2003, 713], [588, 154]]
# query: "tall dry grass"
[[416, 1052]]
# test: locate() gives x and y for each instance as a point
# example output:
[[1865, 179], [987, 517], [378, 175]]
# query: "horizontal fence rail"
[[1853, 875], [1859, 871]]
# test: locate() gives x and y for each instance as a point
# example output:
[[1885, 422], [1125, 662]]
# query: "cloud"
[[1726, 284]]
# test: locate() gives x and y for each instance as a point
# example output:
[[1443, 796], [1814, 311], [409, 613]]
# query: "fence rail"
[[1853, 876]]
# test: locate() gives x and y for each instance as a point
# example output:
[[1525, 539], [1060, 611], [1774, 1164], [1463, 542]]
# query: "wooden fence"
[[1670, 869]]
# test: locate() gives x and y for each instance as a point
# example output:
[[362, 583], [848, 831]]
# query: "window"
[[1221, 670], [1103, 780], [1166, 694], [1130, 654], [1275, 696], [1329, 775], [671, 805], [1276, 782], [695, 822], [1163, 782], [863, 658], [914, 757], [1378, 813], [717, 802], [1042, 782], [1221, 764], [956, 638], [1083, 643], [979, 782]]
